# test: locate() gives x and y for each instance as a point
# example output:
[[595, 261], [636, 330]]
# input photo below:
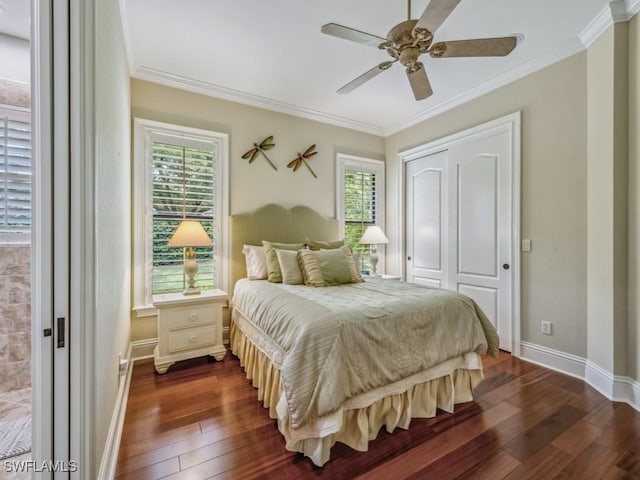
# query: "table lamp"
[[373, 236], [190, 234]]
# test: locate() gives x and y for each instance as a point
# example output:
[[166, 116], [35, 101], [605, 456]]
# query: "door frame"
[[78, 35], [513, 123]]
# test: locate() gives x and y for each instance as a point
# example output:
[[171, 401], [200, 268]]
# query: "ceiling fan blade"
[[435, 14], [419, 81], [480, 47], [352, 34], [366, 76]]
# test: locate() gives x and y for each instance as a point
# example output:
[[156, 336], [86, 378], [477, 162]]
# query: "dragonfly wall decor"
[[266, 144], [302, 158]]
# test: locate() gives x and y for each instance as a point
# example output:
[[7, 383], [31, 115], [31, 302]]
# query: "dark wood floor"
[[202, 420]]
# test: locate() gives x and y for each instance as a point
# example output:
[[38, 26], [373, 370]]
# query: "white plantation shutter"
[[183, 187], [361, 186], [15, 175]]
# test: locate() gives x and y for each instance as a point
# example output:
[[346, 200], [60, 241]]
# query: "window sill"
[[145, 311]]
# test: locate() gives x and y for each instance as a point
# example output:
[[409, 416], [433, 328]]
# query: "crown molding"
[[205, 88], [568, 49], [126, 35], [615, 12]]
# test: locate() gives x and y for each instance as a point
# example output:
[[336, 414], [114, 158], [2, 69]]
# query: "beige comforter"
[[333, 343]]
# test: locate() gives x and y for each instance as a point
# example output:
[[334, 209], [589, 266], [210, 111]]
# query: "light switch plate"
[[526, 245]]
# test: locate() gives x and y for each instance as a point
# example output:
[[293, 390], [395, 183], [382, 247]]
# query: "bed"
[[338, 363]]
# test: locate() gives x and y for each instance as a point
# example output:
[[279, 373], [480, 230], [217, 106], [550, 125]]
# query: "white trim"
[[146, 345], [109, 460], [616, 388], [144, 133], [599, 378], [617, 11], [513, 123], [41, 257], [126, 34], [553, 359], [205, 88], [352, 162], [82, 238], [145, 311]]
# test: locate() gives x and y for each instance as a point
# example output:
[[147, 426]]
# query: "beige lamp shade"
[[190, 233], [373, 235]]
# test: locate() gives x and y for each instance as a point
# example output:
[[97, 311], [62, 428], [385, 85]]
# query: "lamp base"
[[191, 291]]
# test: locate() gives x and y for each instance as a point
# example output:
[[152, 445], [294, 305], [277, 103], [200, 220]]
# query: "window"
[[15, 175], [360, 202], [180, 173]]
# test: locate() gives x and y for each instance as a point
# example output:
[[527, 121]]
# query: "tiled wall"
[[15, 317]]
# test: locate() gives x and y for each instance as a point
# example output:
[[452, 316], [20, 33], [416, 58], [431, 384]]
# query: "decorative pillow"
[[324, 245], [310, 268], [328, 267], [356, 260], [288, 260], [256, 262], [274, 274]]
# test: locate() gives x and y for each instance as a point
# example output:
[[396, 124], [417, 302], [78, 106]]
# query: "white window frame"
[[362, 164], [20, 114], [145, 133]]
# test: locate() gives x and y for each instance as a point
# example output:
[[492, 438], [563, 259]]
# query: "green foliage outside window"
[[183, 187]]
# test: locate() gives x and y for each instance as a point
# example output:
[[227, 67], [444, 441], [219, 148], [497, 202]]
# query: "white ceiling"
[[272, 54]]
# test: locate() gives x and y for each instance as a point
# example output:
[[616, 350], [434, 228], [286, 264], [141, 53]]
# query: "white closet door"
[[480, 220], [426, 220], [458, 222]]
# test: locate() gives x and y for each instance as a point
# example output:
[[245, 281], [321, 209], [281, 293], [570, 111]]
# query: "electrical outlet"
[[123, 363], [546, 328]]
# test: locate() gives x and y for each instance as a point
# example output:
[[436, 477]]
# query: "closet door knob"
[[505, 266]]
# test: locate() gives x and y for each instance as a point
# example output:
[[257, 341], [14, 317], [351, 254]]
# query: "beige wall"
[[633, 360], [255, 184], [554, 172], [112, 215]]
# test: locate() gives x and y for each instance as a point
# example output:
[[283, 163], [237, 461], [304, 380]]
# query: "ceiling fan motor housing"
[[404, 46]]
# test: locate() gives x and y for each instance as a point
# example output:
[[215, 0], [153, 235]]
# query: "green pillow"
[[288, 260], [324, 245], [310, 268], [274, 274], [329, 267]]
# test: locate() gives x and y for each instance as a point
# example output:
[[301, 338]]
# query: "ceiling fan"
[[408, 40]]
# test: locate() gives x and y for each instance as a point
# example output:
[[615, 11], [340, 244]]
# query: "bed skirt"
[[360, 418]]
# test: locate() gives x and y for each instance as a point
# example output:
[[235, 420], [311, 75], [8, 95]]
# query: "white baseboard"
[[614, 387], [143, 348], [110, 454], [553, 359]]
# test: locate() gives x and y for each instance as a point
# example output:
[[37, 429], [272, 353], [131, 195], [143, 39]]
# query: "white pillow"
[[256, 262]]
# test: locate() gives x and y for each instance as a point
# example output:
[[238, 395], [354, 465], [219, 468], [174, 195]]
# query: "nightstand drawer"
[[199, 337], [191, 316]]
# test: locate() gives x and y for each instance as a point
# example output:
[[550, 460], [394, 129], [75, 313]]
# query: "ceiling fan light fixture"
[[409, 39]]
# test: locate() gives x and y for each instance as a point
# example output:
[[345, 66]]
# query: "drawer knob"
[[193, 339], [193, 316]]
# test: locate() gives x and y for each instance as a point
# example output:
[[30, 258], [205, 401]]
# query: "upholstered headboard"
[[277, 224]]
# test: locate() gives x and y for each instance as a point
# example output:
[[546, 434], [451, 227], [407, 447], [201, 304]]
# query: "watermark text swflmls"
[[60, 466]]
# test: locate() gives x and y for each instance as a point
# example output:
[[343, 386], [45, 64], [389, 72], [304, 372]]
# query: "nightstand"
[[189, 326]]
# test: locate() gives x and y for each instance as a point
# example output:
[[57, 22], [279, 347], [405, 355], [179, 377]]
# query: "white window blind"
[[359, 210], [15, 175], [360, 187], [183, 187]]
